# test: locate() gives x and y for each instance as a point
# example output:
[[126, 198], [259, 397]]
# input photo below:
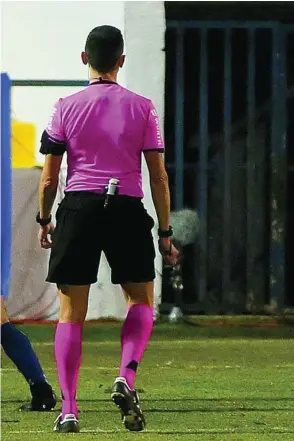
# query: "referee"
[[104, 129]]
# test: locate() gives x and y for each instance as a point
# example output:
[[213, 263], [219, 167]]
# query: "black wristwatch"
[[43, 222], [165, 233]]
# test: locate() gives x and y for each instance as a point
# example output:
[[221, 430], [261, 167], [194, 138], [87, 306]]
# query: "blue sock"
[[18, 348]]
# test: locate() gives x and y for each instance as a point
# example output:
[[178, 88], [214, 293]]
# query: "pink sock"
[[68, 355], [135, 335]]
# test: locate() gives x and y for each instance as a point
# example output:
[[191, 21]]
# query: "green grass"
[[198, 383]]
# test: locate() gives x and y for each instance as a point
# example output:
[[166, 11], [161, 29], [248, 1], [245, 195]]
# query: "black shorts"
[[84, 228]]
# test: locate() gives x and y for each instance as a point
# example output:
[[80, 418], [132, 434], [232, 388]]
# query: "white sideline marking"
[[170, 432], [116, 343], [225, 342], [85, 368], [165, 366]]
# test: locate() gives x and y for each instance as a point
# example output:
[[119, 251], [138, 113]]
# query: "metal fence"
[[227, 127]]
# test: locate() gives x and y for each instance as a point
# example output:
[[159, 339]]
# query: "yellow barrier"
[[23, 143]]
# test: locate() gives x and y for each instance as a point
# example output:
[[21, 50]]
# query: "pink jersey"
[[105, 128]]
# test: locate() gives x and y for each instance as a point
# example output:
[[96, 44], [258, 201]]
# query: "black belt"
[[101, 196]]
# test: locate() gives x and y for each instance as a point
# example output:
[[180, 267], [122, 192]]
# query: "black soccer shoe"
[[43, 398], [128, 402], [69, 424]]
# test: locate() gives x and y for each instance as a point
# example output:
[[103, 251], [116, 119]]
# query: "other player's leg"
[[18, 348]]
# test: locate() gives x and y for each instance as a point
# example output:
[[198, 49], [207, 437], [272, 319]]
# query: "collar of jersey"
[[102, 82]]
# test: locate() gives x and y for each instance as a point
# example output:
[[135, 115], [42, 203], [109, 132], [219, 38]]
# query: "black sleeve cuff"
[[51, 146], [159, 150]]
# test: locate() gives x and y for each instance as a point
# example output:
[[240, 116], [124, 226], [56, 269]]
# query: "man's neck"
[[95, 76]]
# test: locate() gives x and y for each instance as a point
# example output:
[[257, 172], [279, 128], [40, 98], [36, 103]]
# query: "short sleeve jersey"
[[103, 129]]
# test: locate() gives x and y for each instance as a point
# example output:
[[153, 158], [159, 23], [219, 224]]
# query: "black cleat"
[[128, 402], [43, 398], [69, 424]]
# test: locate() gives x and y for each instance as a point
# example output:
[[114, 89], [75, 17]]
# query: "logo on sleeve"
[[157, 125], [49, 127]]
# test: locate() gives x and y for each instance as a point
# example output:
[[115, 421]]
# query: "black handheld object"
[[111, 190]]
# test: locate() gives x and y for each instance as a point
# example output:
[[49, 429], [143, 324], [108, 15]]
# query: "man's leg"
[[18, 348], [73, 267], [135, 335], [68, 351], [137, 328]]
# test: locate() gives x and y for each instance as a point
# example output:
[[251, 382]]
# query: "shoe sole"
[[131, 419], [68, 427]]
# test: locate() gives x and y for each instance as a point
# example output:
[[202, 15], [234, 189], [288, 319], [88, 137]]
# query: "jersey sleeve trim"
[[51, 146], [155, 149]]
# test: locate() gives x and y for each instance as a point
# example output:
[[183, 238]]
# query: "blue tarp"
[[6, 186]]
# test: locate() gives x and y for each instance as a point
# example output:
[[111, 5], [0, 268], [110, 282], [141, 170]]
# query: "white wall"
[[43, 40], [145, 66]]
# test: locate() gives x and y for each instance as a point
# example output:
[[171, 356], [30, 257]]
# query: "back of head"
[[104, 47]]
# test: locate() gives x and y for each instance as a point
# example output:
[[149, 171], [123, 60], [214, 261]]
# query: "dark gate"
[[229, 102]]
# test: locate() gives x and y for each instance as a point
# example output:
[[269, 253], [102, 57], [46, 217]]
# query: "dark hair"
[[104, 46]]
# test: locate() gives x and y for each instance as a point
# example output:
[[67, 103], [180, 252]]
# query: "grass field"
[[197, 383]]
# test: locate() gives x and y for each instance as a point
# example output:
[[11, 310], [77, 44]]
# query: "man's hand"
[[168, 251], [44, 232]]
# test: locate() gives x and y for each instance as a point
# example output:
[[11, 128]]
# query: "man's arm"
[[161, 199], [159, 187], [153, 148], [53, 146], [49, 184]]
